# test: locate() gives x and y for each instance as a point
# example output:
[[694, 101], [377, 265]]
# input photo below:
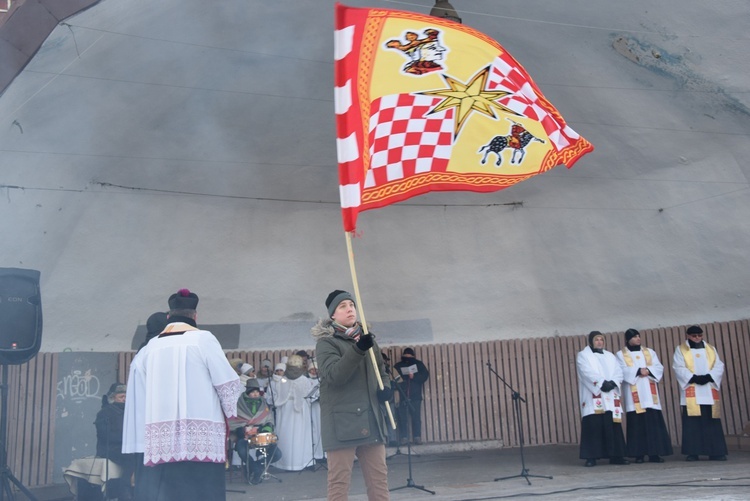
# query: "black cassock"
[[601, 437]]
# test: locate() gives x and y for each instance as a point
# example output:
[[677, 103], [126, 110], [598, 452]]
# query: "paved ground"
[[468, 473], [470, 476]]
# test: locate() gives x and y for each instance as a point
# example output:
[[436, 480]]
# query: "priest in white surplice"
[[699, 372], [181, 387], [293, 423], [599, 379], [647, 432]]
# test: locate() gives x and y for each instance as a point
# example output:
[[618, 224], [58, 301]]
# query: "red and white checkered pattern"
[[405, 141], [506, 74]]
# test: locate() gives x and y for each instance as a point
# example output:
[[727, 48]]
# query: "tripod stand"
[[409, 481], [267, 459], [311, 398], [517, 399], [394, 383], [6, 476]]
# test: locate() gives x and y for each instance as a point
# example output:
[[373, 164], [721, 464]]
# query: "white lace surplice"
[[179, 390]]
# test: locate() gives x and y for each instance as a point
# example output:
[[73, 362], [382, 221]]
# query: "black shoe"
[[639, 460], [717, 458], [691, 457], [256, 476], [655, 459], [590, 462], [619, 461]]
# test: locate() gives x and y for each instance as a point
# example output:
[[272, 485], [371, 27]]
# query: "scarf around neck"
[[352, 332]]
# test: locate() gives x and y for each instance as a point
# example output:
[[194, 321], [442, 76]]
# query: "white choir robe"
[[293, 422], [593, 369], [179, 390], [630, 377], [318, 452], [703, 394]]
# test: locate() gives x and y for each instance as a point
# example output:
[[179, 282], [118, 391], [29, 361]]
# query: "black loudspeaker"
[[20, 315]]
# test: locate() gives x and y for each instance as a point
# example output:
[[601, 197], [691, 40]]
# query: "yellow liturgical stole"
[[693, 409], [626, 354]]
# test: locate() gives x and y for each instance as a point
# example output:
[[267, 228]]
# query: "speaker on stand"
[[20, 340]]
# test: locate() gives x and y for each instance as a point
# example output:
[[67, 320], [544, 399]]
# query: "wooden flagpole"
[[361, 310]]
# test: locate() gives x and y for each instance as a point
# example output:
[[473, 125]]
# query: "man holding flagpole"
[[351, 421]]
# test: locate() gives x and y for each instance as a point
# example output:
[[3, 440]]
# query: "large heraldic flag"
[[425, 104]]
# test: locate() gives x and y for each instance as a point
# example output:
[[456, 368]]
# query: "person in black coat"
[[413, 375], [109, 441]]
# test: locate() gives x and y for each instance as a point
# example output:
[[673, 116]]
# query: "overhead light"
[[445, 10]]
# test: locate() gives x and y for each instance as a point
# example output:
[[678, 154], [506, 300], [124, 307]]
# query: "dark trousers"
[[414, 418], [182, 481]]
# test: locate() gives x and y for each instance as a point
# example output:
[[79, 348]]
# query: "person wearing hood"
[[243, 369], [414, 375], [599, 380], [264, 375], [647, 433], [108, 425], [699, 372], [351, 421]]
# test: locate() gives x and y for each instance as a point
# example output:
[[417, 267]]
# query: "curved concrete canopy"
[[150, 146]]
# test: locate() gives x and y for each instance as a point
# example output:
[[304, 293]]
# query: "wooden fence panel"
[[734, 376], [741, 331], [487, 412]]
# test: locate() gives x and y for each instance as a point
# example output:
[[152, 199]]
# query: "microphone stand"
[[409, 481], [273, 398], [517, 398], [394, 383], [106, 458]]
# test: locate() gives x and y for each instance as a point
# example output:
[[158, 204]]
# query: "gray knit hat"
[[334, 298]]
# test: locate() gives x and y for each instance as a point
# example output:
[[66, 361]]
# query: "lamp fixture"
[[443, 9]]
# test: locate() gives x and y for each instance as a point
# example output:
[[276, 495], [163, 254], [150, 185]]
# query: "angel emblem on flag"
[[424, 54]]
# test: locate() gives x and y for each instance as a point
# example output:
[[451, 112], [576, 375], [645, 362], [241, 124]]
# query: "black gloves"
[[608, 386], [704, 379], [385, 394], [365, 342]]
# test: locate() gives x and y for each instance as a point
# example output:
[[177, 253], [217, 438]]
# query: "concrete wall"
[[151, 146]]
